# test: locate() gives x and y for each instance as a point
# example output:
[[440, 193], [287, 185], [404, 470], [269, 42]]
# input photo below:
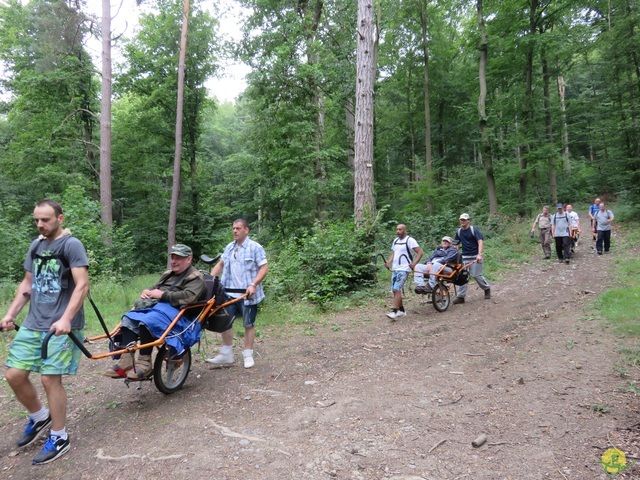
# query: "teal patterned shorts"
[[26, 348]]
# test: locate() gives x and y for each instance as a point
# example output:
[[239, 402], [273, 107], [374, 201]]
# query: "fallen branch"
[[226, 432], [475, 354], [437, 445], [101, 456], [451, 403]]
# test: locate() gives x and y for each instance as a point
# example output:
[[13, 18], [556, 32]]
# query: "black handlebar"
[[45, 344], [208, 260]]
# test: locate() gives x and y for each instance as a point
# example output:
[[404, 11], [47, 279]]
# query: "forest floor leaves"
[[532, 369]]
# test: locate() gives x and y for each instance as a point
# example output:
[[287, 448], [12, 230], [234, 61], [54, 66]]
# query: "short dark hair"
[[242, 221], [57, 208]]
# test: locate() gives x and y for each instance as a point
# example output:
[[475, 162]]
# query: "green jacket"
[[186, 291]]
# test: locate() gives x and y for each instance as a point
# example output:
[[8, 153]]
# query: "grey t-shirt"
[[50, 264], [601, 219], [561, 222]]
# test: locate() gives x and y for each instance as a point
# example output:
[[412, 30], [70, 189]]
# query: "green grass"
[[618, 306]]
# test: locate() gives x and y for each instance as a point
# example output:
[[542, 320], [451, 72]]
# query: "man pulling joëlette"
[[472, 249]]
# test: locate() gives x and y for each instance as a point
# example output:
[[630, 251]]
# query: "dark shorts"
[[247, 312]]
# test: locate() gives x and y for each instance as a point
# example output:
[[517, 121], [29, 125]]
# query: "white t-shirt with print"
[[401, 257]]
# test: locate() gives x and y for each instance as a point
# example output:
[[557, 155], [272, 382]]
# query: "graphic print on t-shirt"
[[46, 283]]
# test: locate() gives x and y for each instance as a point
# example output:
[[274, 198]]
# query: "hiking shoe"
[[458, 300], [560, 260], [143, 368], [421, 290], [392, 315], [221, 359], [247, 355], [547, 257], [120, 369], [401, 314], [53, 448], [566, 261], [487, 294], [33, 430], [599, 253]]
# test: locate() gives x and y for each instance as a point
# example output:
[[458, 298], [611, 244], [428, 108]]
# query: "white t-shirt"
[[574, 217], [401, 256]]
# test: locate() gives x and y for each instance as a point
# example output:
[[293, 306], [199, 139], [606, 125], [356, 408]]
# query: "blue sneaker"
[[33, 430], [53, 448]]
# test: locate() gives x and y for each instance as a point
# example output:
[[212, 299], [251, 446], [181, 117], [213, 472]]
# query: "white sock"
[[60, 433], [247, 353], [226, 349], [40, 415]]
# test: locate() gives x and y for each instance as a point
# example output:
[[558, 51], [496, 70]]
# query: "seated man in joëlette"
[[436, 263], [156, 308]]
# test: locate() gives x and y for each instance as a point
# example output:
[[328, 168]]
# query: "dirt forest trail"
[[365, 398]]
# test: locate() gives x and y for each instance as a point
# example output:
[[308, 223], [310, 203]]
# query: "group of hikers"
[[55, 284], [406, 255], [564, 227]]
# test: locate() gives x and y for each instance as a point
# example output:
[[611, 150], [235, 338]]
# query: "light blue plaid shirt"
[[241, 265]]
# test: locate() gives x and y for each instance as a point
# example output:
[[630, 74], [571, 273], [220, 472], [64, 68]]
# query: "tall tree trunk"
[[485, 150], [413, 174], [546, 88], [427, 107], [527, 121], [364, 200], [175, 190], [565, 127], [105, 121], [349, 113], [311, 20]]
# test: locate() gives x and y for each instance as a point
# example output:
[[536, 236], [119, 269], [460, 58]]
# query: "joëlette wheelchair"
[[170, 371], [445, 282]]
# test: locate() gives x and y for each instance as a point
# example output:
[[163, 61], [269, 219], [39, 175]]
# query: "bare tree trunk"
[[427, 105], [105, 121], [527, 121], [175, 190], [546, 87], [484, 151], [364, 200], [565, 127], [350, 118], [413, 174], [311, 21]]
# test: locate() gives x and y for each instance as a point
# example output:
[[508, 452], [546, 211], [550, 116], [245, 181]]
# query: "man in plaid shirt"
[[243, 267]]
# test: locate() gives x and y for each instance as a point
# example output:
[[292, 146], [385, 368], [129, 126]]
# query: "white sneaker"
[[401, 314], [248, 359], [392, 315], [221, 359]]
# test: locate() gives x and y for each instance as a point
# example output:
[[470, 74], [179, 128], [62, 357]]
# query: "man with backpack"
[[543, 220], [55, 283], [561, 232], [405, 255], [472, 250], [593, 209], [603, 219]]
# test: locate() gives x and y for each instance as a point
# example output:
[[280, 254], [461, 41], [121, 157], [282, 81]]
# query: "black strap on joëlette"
[[235, 290], [101, 319]]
